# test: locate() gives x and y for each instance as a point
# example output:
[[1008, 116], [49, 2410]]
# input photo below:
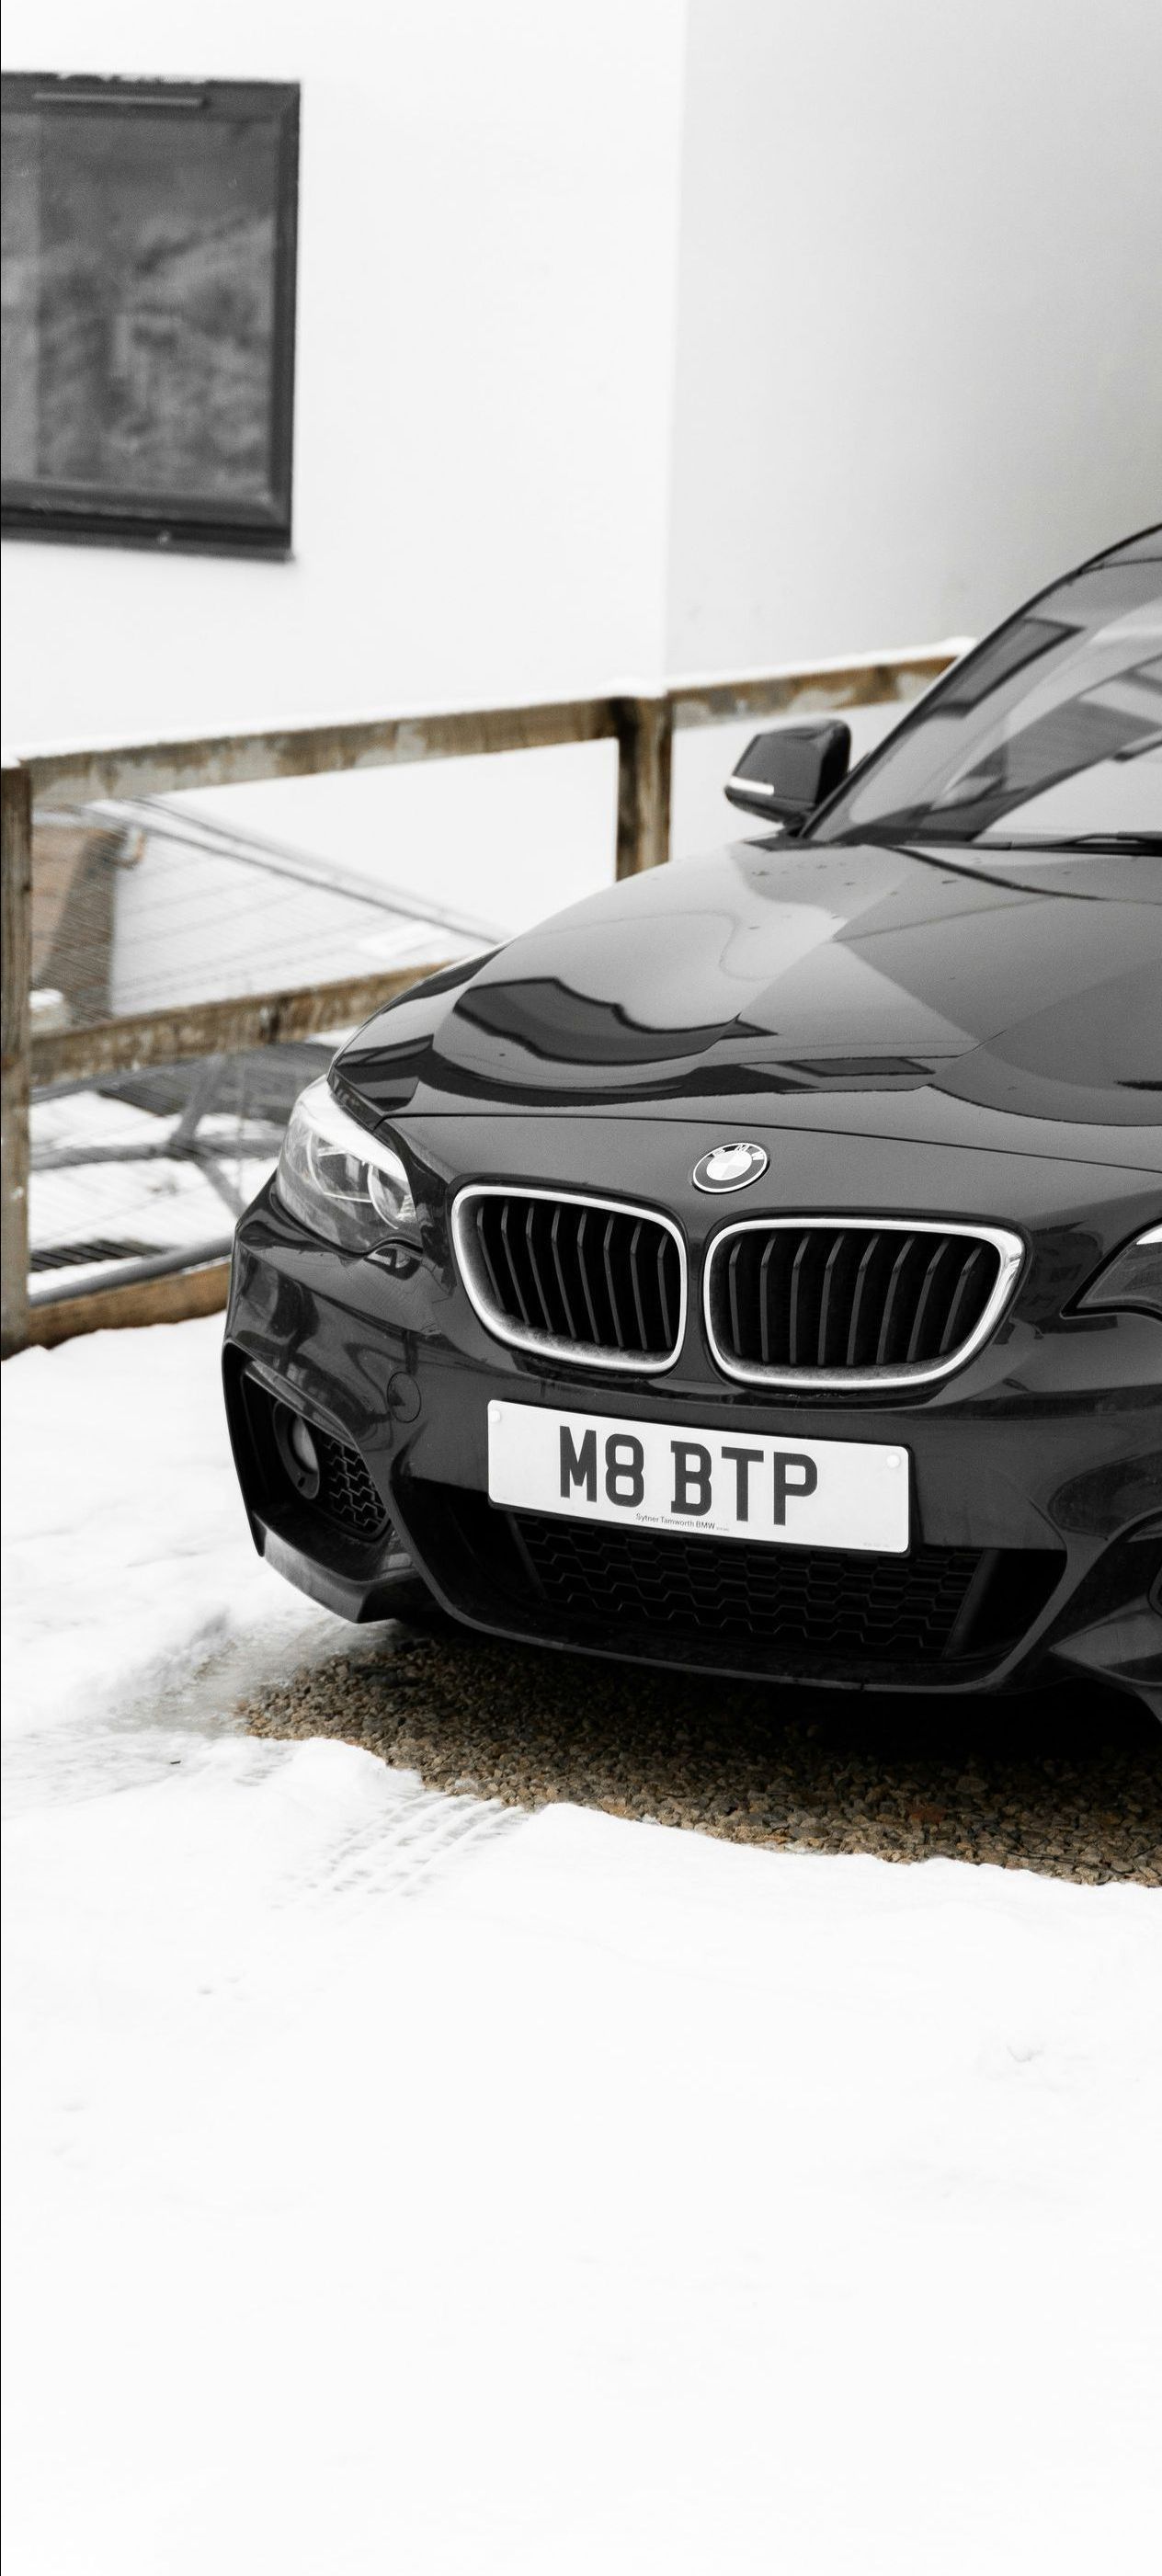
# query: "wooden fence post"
[[645, 738], [16, 913]]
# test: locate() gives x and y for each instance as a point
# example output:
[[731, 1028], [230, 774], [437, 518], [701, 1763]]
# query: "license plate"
[[727, 1484]]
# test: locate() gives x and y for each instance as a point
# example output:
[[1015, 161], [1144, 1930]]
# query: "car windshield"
[[1049, 736]]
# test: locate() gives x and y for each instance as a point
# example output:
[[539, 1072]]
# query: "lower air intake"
[[328, 1476], [728, 1604], [806, 1602]]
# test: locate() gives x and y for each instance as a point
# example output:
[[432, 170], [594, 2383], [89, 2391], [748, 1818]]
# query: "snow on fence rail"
[[643, 727]]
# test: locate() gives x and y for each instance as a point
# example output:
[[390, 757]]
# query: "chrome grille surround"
[[544, 1344], [1007, 1245]]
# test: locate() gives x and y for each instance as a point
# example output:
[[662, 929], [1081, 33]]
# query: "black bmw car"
[[758, 1267]]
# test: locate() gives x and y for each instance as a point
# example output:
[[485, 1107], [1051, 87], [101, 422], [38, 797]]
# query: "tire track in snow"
[[417, 1841]]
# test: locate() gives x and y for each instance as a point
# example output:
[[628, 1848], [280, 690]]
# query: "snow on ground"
[[126, 1552], [397, 2183]]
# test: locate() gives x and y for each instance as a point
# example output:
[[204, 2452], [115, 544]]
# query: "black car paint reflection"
[[951, 1032]]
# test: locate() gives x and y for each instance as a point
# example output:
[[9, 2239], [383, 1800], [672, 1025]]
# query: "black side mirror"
[[785, 775]]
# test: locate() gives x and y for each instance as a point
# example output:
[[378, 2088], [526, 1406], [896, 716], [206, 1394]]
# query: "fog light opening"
[[298, 1451]]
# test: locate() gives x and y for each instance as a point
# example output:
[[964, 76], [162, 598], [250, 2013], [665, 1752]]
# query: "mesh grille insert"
[[346, 1491], [898, 1608], [601, 1279], [862, 1298]]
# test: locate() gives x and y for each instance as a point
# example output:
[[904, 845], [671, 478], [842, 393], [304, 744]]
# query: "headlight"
[[1132, 1278], [340, 1180]]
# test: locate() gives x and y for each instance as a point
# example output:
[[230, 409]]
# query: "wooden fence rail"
[[643, 727]]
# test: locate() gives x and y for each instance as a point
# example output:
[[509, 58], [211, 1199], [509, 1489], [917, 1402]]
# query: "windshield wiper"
[[1140, 844], [1147, 843], [973, 873]]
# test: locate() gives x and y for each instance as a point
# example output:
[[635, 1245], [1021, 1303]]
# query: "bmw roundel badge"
[[730, 1167]]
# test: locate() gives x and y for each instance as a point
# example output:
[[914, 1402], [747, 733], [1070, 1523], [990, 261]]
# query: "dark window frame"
[[180, 523]]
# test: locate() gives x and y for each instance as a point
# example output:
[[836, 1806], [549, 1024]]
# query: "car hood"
[[893, 991]]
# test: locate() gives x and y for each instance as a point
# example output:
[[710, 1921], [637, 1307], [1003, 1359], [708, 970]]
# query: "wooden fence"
[[643, 728]]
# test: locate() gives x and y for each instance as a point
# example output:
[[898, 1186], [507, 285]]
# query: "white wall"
[[920, 315], [486, 273], [847, 333]]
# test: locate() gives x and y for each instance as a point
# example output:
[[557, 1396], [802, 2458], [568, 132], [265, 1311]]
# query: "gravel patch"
[[1067, 1782]]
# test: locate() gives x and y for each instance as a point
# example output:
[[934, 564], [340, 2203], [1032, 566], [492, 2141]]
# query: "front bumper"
[[1037, 1479]]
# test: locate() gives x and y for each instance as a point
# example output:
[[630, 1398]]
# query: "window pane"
[[139, 302]]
